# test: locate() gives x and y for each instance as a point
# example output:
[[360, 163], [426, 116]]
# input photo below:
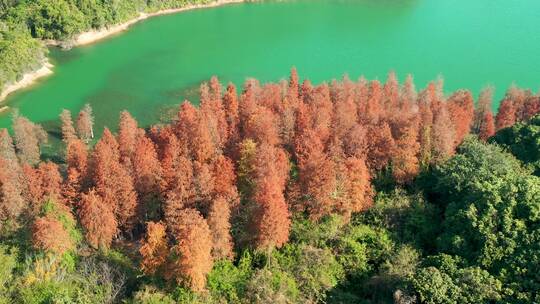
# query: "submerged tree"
[[28, 138], [68, 130], [7, 149], [85, 124]]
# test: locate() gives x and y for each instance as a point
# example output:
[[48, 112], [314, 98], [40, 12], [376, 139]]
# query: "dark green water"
[[159, 62]]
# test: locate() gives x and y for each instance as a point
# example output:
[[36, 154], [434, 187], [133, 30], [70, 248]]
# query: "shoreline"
[[27, 80], [93, 36]]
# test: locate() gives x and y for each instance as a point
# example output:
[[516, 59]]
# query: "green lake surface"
[[160, 62]]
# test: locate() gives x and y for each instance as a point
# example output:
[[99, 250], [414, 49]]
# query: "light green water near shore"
[[160, 62]]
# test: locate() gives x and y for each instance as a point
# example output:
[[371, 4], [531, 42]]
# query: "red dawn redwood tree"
[[188, 119], [85, 124], [270, 219], [97, 220], [225, 179], [219, 218], [148, 178], [506, 116], [248, 100], [7, 152], [193, 130], [33, 191], [11, 163], [112, 180], [42, 183], [518, 97], [531, 107], [72, 188], [407, 95], [461, 110], [127, 136], [381, 147], [484, 123], [361, 97], [231, 106], [7, 149], [294, 84], [390, 93], [214, 114], [357, 189], [487, 127], [426, 124], [77, 157], [321, 111], [28, 138], [48, 234], [203, 182], [172, 152], [356, 141], [484, 104], [442, 136], [405, 164], [306, 90], [202, 146], [316, 111], [68, 130], [180, 193], [12, 203], [77, 171], [317, 177], [287, 121], [51, 181], [193, 250], [154, 249], [374, 108], [261, 126], [345, 117], [215, 89]]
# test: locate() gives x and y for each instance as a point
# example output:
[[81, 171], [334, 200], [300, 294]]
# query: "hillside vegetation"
[[348, 192]]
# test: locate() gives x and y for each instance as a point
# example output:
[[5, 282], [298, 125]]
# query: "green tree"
[[523, 141]]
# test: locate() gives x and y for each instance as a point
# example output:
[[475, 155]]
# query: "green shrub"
[[445, 279], [315, 270], [150, 295], [8, 263], [228, 281], [317, 234], [272, 286]]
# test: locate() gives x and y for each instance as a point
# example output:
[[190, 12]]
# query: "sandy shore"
[[27, 80], [96, 35], [91, 37]]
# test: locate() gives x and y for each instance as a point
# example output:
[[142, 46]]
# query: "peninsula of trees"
[[26, 26], [289, 192]]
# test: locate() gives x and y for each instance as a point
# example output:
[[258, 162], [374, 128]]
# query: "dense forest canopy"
[[344, 192]]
